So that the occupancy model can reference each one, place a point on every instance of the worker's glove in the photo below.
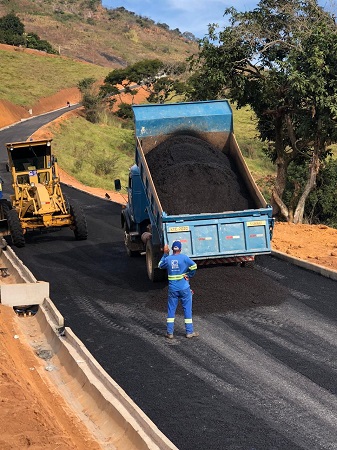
(186, 277)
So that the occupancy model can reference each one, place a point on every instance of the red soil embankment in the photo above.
(11, 113)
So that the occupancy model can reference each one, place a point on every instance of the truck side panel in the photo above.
(227, 236)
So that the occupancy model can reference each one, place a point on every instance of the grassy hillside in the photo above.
(94, 154)
(108, 37)
(25, 77)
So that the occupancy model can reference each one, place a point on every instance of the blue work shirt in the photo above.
(178, 266)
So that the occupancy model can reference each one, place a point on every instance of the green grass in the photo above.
(25, 78)
(94, 154)
(261, 168)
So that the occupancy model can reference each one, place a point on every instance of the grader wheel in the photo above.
(15, 228)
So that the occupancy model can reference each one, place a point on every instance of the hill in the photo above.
(35, 82)
(85, 30)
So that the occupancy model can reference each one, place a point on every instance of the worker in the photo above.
(1, 186)
(180, 269)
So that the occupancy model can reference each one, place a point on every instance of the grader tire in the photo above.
(15, 228)
(5, 206)
(80, 223)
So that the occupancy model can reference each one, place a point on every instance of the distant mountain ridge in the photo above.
(85, 30)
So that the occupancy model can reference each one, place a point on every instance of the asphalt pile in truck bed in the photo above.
(192, 177)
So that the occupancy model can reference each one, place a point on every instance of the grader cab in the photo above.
(38, 201)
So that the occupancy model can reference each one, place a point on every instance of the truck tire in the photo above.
(152, 260)
(80, 223)
(15, 228)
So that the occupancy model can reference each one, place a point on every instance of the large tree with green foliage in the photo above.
(281, 60)
(161, 81)
(12, 32)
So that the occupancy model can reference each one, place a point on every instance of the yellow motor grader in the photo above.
(38, 201)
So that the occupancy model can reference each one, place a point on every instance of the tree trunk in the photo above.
(279, 208)
(311, 183)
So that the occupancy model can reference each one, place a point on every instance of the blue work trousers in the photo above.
(186, 300)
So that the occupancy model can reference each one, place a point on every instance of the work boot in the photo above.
(191, 335)
(169, 336)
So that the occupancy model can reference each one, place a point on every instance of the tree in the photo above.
(91, 99)
(279, 59)
(11, 30)
(161, 81)
(34, 41)
(321, 204)
(12, 23)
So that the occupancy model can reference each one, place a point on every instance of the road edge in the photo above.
(328, 273)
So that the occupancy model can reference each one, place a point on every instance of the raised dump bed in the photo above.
(190, 183)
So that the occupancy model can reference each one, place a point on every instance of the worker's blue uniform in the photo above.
(178, 267)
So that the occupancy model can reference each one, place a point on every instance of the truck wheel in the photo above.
(152, 260)
(80, 223)
(15, 228)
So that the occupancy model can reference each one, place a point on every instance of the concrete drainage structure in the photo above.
(114, 420)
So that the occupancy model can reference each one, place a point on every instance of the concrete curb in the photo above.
(14, 263)
(120, 421)
(114, 419)
(328, 273)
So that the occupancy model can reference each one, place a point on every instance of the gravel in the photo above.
(192, 177)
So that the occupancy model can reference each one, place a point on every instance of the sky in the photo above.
(188, 15)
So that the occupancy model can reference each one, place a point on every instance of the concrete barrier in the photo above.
(15, 265)
(26, 294)
(328, 273)
(117, 419)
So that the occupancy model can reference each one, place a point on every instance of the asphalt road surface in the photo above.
(262, 374)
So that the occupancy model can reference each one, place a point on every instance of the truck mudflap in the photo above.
(231, 260)
(213, 237)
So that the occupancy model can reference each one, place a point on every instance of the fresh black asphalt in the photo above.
(260, 376)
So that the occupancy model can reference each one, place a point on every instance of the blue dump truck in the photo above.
(190, 183)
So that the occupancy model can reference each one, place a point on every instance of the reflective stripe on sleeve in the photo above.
(193, 267)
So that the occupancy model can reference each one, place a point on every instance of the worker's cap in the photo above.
(176, 245)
